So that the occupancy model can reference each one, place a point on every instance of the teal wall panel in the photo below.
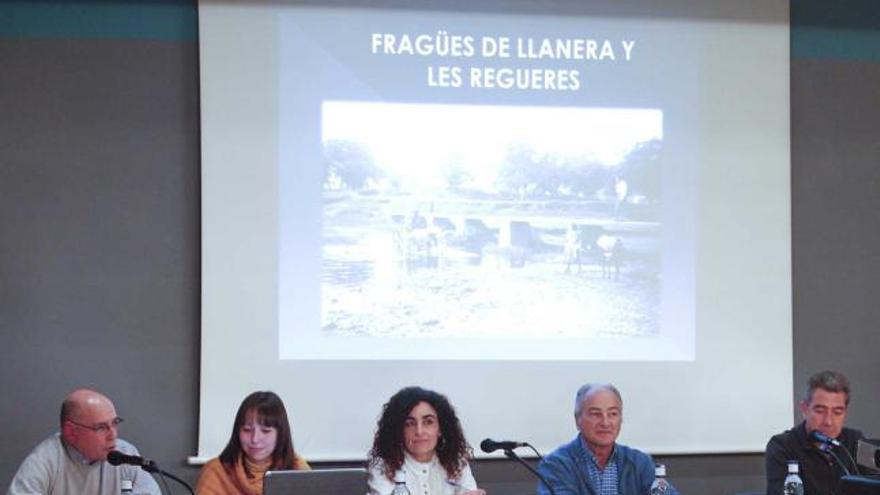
(169, 20)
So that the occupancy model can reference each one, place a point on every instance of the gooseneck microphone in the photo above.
(488, 445)
(827, 444)
(819, 437)
(117, 458)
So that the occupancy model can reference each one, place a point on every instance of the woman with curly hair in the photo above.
(260, 441)
(419, 437)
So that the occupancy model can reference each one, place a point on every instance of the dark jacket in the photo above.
(566, 470)
(819, 471)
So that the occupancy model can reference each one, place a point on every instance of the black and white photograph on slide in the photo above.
(484, 221)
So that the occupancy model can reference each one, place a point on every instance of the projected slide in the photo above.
(464, 191)
(497, 200)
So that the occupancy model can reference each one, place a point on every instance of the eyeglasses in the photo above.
(102, 427)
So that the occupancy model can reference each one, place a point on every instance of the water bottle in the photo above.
(793, 485)
(400, 484)
(127, 487)
(660, 486)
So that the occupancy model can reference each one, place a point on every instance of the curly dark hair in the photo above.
(388, 444)
(270, 412)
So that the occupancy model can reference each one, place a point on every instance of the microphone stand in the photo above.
(510, 455)
(535, 451)
(151, 467)
(852, 461)
(828, 450)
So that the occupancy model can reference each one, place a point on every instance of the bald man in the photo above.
(74, 460)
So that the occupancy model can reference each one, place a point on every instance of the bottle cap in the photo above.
(793, 467)
(660, 470)
(127, 485)
(400, 477)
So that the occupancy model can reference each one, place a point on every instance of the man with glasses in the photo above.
(75, 459)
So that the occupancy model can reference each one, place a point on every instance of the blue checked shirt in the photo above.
(604, 481)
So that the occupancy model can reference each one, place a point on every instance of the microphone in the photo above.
(818, 436)
(116, 458)
(488, 445)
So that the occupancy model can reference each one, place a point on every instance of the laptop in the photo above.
(859, 485)
(348, 481)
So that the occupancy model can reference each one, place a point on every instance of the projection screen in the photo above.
(499, 201)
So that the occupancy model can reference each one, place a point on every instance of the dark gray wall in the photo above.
(99, 238)
(836, 226)
(99, 224)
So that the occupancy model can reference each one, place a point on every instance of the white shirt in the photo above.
(423, 478)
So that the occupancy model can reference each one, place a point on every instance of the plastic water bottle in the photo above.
(793, 485)
(400, 484)
(660, 486)
(126, 487)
